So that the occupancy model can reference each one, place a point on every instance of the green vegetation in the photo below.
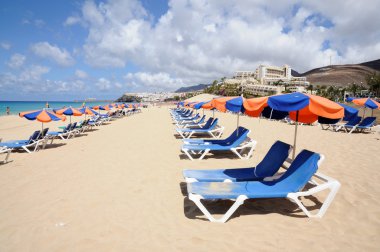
(129, 98)
(373, 81)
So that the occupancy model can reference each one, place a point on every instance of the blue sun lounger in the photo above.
(351, 123)
(366, 124)
(24, 144)
(290, 185)
(188, 119)
(188, 114)
(237, 142)
(192, 124)
(212, 129)
(65, 134)
(268, 167)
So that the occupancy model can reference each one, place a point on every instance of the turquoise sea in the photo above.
(20, 106)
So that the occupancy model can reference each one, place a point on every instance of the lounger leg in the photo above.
(188, 154)
(251, 150)
(333, 186)
(6, 157)
(204, 154)
(26, 149)
(352, 130)
(237, 153)
(197, 200)
(191, 133)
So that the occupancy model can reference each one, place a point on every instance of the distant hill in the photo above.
(375, 64)
(340, 75)
(191, 88)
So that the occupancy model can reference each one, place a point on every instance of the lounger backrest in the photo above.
(300, 171)
(202, 119)
(354, 121)
(368, 122)
(44, 132)
(237, 137)
(213, 124)
(34, 136)
(73, 126)
(68, 127)
(196, 116)
(208, 123)
(273, 160)
(324, 120)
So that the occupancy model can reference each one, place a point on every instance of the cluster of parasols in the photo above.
(48, 115)
(299, 107)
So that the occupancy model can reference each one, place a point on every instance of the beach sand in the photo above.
(120, 188)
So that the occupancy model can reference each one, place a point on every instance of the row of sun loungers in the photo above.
(355, 124)
(188, 125)
(276, 176)
(39, 139)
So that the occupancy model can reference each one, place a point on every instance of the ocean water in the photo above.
(21, 106)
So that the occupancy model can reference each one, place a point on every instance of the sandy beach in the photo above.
(120, 188)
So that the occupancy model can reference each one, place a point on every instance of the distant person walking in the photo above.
(8, 111)
(47, 105)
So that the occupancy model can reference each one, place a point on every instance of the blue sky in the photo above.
(66, 50)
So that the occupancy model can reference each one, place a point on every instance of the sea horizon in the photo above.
(20, 106)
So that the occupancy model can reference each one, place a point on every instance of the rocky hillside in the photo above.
(191, 88)
(341, 75)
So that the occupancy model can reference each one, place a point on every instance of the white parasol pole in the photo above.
(237, 125)
(295, 136)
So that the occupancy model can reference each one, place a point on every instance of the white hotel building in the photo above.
(268, 80)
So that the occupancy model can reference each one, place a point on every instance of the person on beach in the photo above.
(47, 105)
(8, 111)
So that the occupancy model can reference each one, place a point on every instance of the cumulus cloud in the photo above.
(33, 73)
(156, 80)
(60, 56)
(81, 74)
(72, 20)
(16, 61)
(103, 84)
(5, 45)
(198, 41)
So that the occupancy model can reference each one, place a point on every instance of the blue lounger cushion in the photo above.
(238, 132)
(268, 167)
(295, 178)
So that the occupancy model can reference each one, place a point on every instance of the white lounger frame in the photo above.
(329, 183)
(248, 144)
(215, 133)
(5, 150)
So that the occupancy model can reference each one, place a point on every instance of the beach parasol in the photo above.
(366, 103)
(221, 105)
(87, 111)
(199, 106)
(43, 116)
(68, 111)
(302, 108)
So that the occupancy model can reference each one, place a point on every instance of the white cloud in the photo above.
(60, 56)
(33, 73)
(72, 20)
(198, 41)
(16, 60)
(5, 45)
(103, 84)
(118, 85)
(159, 81)
(81, 74)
